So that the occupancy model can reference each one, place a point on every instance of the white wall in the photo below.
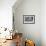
(43, 22)
(6, 13)
(37, 31)
(31, 31)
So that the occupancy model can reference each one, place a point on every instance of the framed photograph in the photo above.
(28, 19)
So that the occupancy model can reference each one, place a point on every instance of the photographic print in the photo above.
(28, 19)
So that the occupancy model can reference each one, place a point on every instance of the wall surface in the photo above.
(43, 22)
(36, 31)
(30, 31)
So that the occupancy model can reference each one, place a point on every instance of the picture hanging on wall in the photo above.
(28, 19)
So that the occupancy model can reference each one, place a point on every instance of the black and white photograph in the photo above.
(28, 19)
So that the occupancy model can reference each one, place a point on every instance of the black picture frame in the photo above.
(28, 19)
